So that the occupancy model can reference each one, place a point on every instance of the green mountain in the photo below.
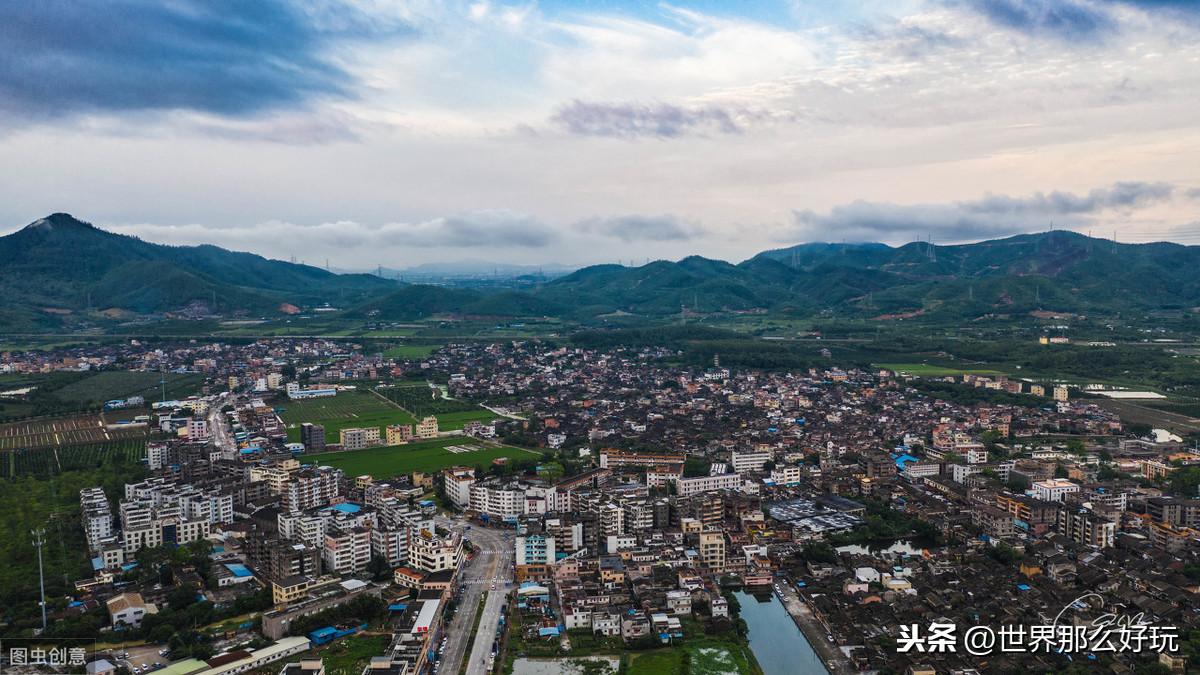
(59, 270)
(1052, 271)
(59, 266)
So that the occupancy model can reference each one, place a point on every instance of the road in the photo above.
(492, 564)
(835, 660)
(219, 428)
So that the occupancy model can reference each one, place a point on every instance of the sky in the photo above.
(401, 132)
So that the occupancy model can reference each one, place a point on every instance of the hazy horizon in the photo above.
(395, 133)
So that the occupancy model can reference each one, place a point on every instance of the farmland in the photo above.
(426, 456)
(52, 461)
(110, 384)
(354, 408)
(422, 400)
(410, 351)
(928, 370)
(46, 432)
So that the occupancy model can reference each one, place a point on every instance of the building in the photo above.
(430, 552)
(534, 549)
(1053, 489)
(126, 609)
(1087, 527)
(712, 549)
(97, 517)
(311, 488)
(312, 436)
(358, 438)
(347, 551)
(427, 427)
(749, 461)
(197, 430)
(399, 434)
(457, 482)
(1060, 392)
(689, 486)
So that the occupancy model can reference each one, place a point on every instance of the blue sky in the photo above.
(397, 132)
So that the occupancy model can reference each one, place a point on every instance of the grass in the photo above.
(658, 662)
(426, 456)
(410, 351)
(927, 370)
(356, 408)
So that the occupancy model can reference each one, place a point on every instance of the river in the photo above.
(777, 643)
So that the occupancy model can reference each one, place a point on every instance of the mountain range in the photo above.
(58, 269)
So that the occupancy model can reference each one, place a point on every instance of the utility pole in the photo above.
(39, 540)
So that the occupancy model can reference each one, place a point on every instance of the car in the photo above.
(137, 671)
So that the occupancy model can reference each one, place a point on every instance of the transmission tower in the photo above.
(39, 540)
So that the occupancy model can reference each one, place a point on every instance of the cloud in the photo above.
(990, 216)
(221, 57)
(349, 241)
(1069, 19)
(632, 120)
(641, 228)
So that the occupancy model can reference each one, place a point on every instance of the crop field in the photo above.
(410, 351)
(48, 432)
(356, 408)
(50, 461)
(425, 456)
(456, 420)
(111, 384)
(927, 370)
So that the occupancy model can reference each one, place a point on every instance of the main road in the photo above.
(491, 566)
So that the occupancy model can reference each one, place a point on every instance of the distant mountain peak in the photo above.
(58, 221)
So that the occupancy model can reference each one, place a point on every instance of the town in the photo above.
(315, 506)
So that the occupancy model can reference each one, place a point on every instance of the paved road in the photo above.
(833, 657)
(491, 562)
(219, 428)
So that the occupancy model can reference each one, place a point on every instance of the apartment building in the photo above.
(457, 482)
(534, 549)
(97, 517)
(749, 460)
(359, 438)
(398, 434)
(310, 488)
(347, 551)
(690, 486)
(712, 549)
(427, 427)
(430, 552)
(1054, 489)
(312, 436)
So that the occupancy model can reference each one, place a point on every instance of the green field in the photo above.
(410, 351)
(927, 370)
(456, 420)
(424, 456)
(112, 384)
(357, 408)
(51, 461)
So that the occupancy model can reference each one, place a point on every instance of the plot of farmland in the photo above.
(46, 432)
(427, 456)
(354, 408)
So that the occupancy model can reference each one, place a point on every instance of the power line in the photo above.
(39, 540)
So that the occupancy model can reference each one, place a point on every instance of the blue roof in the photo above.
(97, 563)
(346, 507)
(397, 607)
(904, 459)
(238, 569)
(1023, 587)
(320, 632)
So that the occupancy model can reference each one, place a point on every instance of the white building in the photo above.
(1054, 489)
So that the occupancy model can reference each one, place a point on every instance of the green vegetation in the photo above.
(422, 456)
(349, 656)
(422, 400)
(50, 461)
(928, 370)
(408, 351)
(63, 392)
(52, 503)
(354, 408)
